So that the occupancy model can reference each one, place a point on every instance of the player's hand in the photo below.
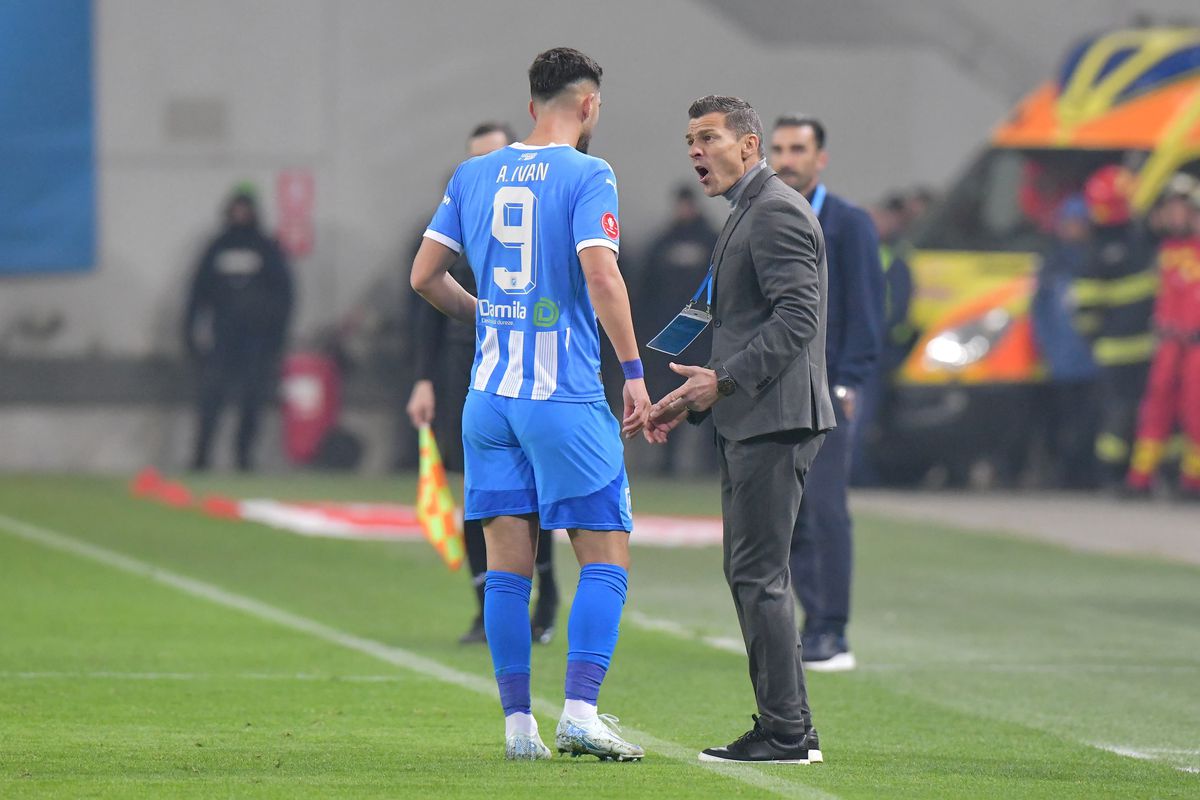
(421, 403)
(656, 432)
(637, 407)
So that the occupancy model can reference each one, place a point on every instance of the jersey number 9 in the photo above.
(513, 226)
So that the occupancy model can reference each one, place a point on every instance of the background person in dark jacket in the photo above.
(678, 256)
(1069, 400)
(235, 326)
(822, 548)
(445, 350)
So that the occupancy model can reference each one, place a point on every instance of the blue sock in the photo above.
(506, 622)
(592, 628)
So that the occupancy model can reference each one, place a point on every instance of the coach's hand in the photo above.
(698, 392)
(637, 407)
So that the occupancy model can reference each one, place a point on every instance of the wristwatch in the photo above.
(725, 384)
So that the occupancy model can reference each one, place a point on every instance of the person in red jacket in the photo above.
(1173, 392)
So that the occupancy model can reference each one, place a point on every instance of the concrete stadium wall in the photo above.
(375, 96)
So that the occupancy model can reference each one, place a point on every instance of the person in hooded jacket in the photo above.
(1070, 394)
(235, 327)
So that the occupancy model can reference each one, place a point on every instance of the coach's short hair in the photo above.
(803, 121)
(740, 116)
(558, 68)
(484, 128)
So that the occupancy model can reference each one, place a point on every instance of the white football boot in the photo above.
(595, 737)
(526, 747)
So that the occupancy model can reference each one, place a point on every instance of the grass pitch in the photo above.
(257, 663)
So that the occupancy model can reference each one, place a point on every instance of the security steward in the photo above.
(235, 326)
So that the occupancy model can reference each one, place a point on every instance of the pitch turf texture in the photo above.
(257, 663)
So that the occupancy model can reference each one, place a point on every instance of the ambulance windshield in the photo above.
(1006, 200)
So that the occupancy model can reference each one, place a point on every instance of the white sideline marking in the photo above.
(1162, 755)
(648, 623)
(1152, 754)
(731, 645)
(1066, 669)
(750, 775)
(200, 676)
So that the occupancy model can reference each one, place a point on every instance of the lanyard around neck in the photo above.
(818, 199)
(706, 285)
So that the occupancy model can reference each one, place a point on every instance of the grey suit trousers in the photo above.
(762, 482)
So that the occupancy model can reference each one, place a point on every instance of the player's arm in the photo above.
(610, 298)
(432, 280)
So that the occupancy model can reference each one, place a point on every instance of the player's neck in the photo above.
(550, 129)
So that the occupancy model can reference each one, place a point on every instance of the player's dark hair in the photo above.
(484, 128)
(803, 121)
(740, 116)
(558, 68)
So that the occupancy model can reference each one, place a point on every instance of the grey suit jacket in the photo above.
(769, 315)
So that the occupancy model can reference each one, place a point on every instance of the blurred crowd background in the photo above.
(151, 145)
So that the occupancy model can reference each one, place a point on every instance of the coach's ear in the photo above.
(750, 146)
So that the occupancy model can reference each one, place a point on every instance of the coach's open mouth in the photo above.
(702, 172)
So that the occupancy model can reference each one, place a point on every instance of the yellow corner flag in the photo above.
(435, 505)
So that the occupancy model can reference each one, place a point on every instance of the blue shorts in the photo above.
(562, 461)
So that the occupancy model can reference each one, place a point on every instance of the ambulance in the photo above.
(964, 396)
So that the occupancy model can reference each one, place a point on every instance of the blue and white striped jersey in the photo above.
(522, 214)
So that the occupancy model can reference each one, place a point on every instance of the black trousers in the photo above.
(822, 553)
(1068, 420)
(762, 482)
(245, 373)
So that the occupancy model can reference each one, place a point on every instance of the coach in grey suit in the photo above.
(765, 387)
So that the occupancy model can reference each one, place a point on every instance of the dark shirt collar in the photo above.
(735, 192)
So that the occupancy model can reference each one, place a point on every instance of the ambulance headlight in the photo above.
(965, 344)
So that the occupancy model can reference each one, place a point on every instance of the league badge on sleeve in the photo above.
(611, 229)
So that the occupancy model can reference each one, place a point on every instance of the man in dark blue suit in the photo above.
(822, 551)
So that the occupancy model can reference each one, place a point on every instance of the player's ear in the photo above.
(588, 108)
(532, 111)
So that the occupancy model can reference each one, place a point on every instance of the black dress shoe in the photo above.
(476, 635)
(761, 746)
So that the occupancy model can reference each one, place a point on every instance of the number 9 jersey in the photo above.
(521, 215)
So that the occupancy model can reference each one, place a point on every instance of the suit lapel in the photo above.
(743, 206)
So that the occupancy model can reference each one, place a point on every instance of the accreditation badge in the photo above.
(688, 324)
(681, 331)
